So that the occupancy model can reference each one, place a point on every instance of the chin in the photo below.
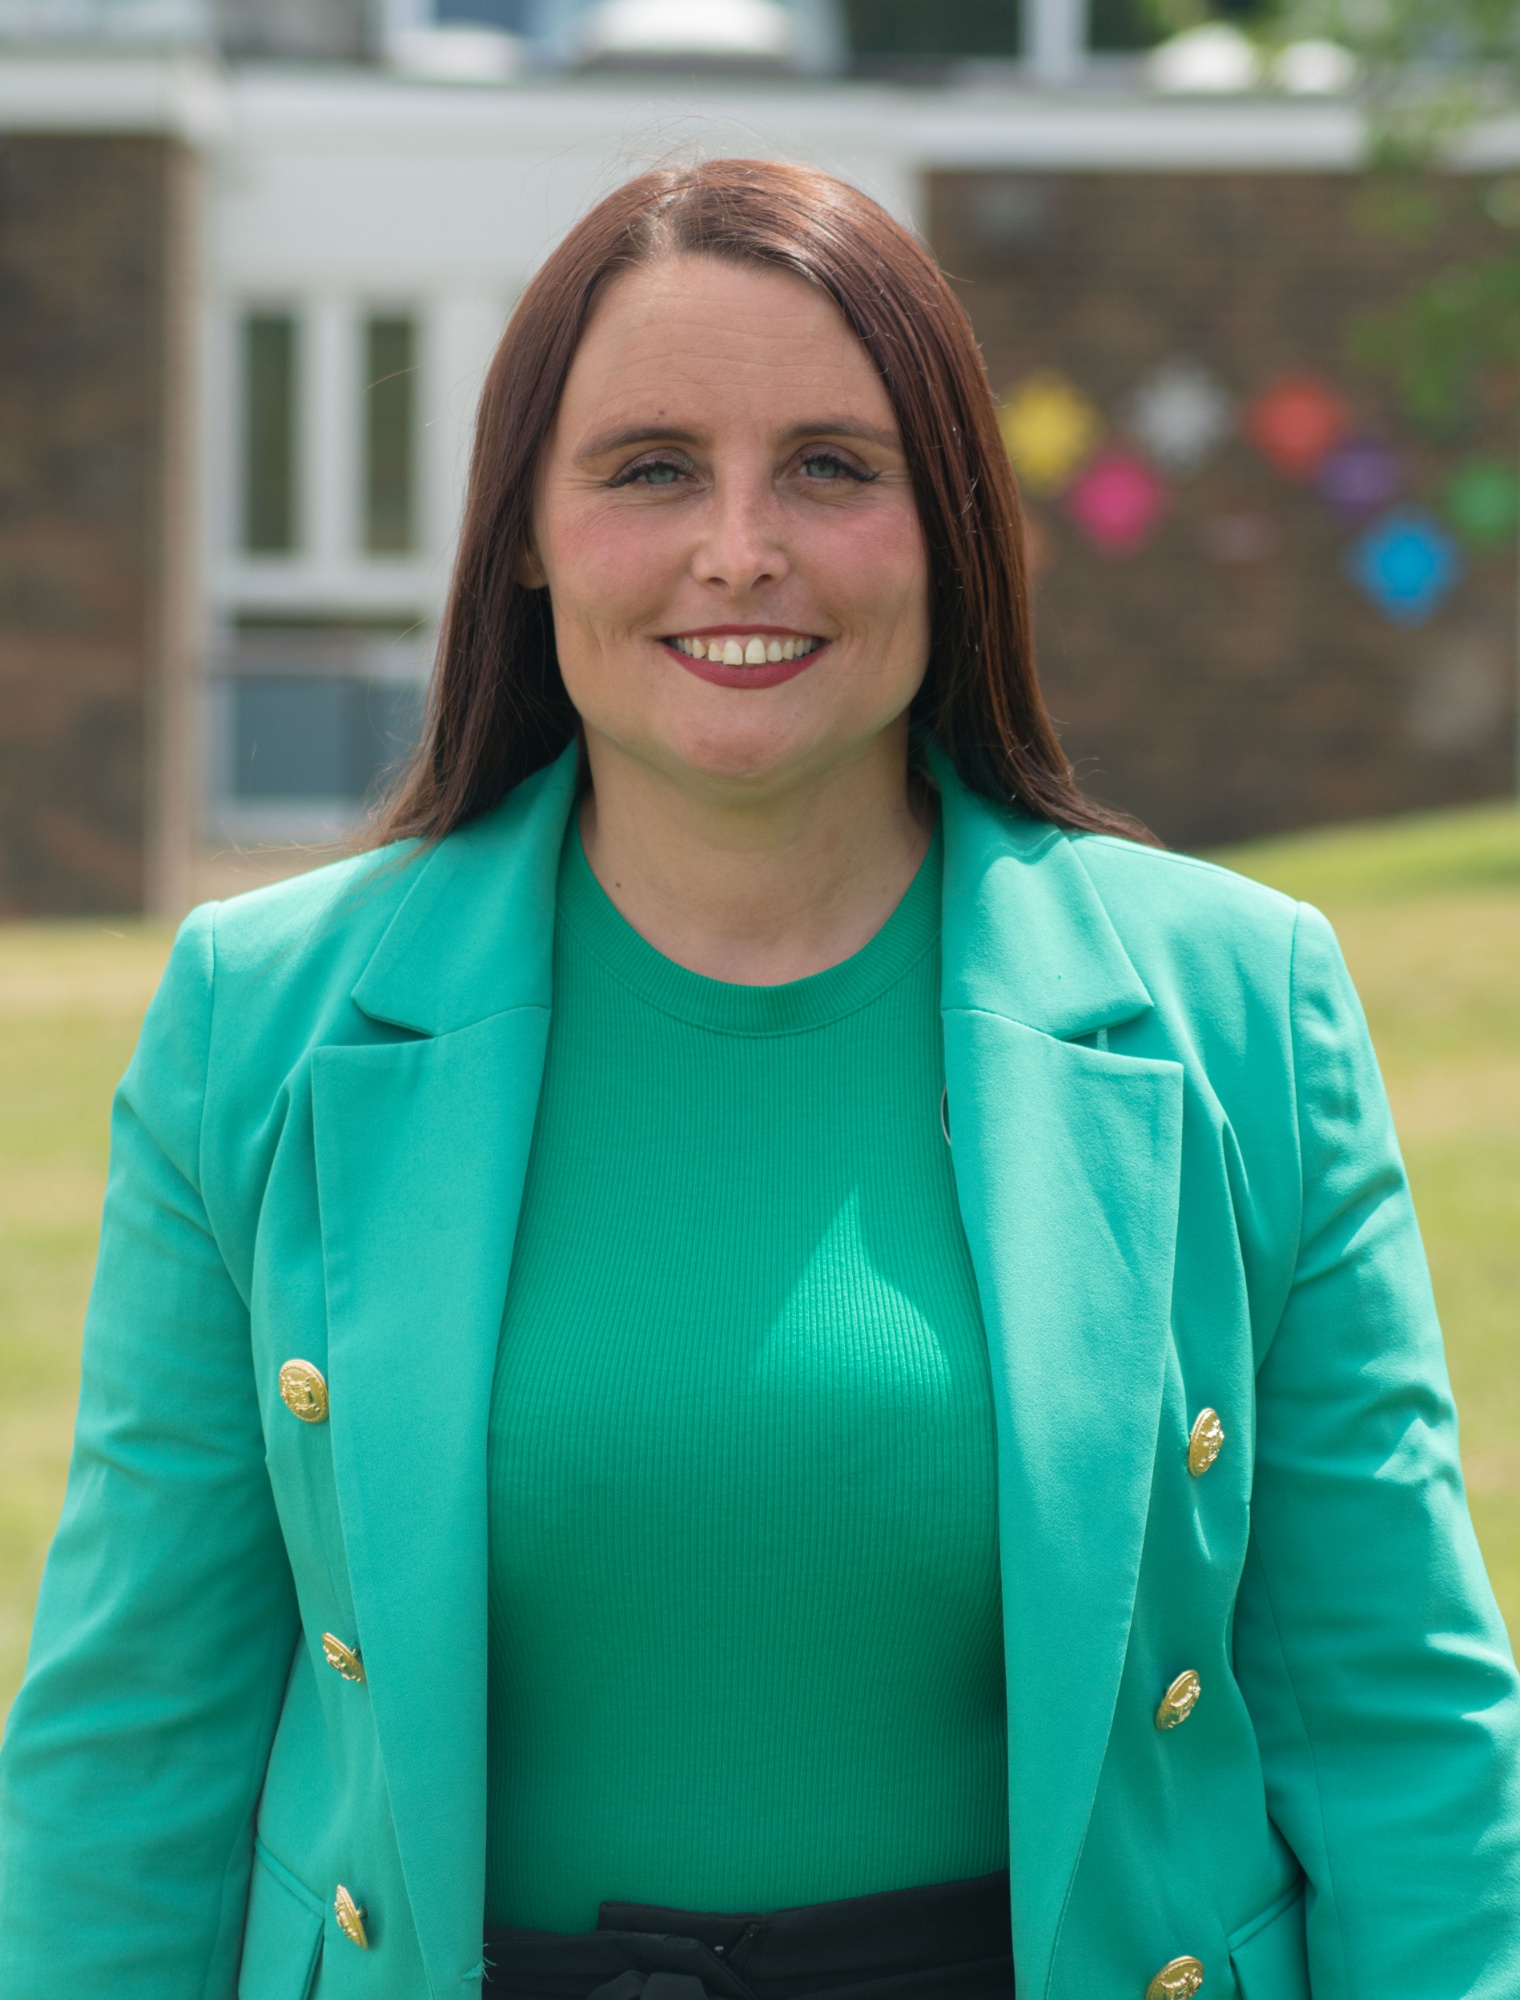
(745, 763)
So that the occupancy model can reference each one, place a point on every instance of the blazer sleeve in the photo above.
(135, 1751)
(1368, 1643)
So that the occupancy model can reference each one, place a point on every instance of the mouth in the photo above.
(746, 656)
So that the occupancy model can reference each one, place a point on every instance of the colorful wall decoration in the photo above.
(1404, 559)
(1482, 502)
(1407, 564)
(1359, 476)
(1050, 430)
(1296, 424)
(1181, 414)
(1117, 502)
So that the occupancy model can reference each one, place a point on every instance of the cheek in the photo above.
(877, 562)
(605, 569)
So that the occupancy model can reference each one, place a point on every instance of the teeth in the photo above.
(744, 653)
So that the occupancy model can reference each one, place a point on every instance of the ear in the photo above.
(528, 570)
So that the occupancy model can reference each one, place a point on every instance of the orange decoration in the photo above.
(1296, 424)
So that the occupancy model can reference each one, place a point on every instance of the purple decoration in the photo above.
(1359, 477)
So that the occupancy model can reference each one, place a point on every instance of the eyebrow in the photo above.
(636, 434)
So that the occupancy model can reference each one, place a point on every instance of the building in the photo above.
(251, 274)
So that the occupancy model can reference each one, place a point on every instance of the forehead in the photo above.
(701, 336)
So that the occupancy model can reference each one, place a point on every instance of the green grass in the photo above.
(1428, 910)
(71, 997)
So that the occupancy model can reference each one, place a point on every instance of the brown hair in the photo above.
(498, 709)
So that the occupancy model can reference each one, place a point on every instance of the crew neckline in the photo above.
(589, 914)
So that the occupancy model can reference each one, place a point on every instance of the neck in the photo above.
(756, 889)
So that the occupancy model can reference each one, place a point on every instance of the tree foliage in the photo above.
(1428, 71)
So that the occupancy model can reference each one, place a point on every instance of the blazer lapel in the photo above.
(421, 1149)
(1067, 1163)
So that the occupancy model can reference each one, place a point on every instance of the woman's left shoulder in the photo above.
(1243, 981)
(1205, 921)
(1172, 887)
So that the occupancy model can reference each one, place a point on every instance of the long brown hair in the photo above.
(498, 709)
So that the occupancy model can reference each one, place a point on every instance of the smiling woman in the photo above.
(765, 1358)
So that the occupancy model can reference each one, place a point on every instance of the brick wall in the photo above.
(91, 366)
(1228, 678)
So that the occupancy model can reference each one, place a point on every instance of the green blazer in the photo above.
(1181, 1192)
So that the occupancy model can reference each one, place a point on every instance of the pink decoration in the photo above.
(1296, 424)
(1117, 502)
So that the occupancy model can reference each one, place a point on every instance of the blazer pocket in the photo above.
(282, 1936)
(1270, 1955)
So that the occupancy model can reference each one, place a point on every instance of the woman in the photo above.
(766, 1315)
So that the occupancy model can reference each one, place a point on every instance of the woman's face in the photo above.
(727, 529)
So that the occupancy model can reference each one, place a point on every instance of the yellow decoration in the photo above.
(1050, 430)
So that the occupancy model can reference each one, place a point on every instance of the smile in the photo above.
(738, 649)
(746, 659)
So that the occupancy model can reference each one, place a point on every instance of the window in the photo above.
(319, 736)
(510, 16)
(309, 721)
(270, 416)
(390, 424)
(898, 30)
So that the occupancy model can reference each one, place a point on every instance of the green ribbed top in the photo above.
(745, 1629)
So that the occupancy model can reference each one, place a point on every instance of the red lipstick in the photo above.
(764, 674)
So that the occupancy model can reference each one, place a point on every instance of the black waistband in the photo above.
(949, 1941)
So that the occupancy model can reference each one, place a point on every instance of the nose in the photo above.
(741, 548)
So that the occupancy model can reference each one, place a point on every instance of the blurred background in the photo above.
(1247, 279)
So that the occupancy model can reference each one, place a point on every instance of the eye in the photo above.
(651, 472)
(824, 465)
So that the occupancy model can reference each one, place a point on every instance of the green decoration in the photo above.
(1482, 502)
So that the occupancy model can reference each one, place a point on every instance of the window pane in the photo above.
(1117, 25)
(390, 445)
(269, 433)
(512, 16)
(907, 28)
(330, 737)
(291, 737)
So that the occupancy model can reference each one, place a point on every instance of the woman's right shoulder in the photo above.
(273, 970)
(311, 925)
(307, 929)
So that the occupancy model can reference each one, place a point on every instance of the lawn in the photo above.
(1428, 911)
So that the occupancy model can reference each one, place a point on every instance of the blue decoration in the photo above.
(1407, 564)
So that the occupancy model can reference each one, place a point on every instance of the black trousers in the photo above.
(947, 1942)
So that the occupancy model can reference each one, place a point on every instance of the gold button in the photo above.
(1205, 1442)
(1179, 1701)
(304, 1391)
(342, 1659)
(351, 1921)
(1178, 1980)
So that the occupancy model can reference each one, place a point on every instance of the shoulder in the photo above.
(1178, 887)
(312, 923)
(263, 975)
(1231, 966)
(1174, 908)
(1218, 928)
